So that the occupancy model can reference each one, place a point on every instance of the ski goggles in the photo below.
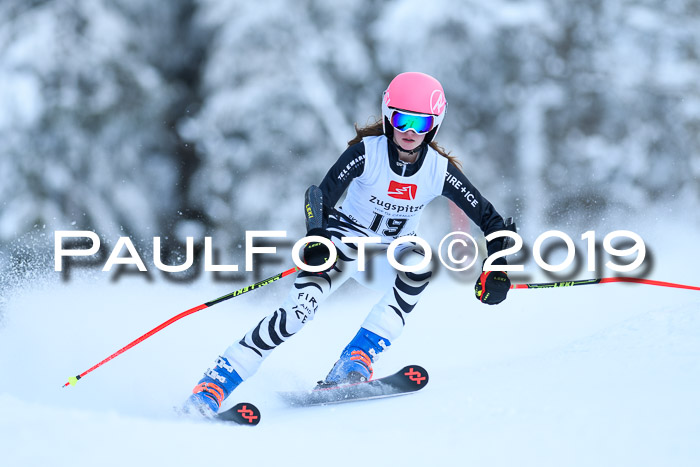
(419, 123)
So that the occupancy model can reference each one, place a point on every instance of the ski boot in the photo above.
(211, 390)
(355, 363)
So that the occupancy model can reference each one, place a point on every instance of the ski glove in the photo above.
(316, 253)
(492, 287)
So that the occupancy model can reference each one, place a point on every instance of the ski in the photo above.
(409, 379)
(243, 413)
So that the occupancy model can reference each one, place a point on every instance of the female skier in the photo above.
(391, 170)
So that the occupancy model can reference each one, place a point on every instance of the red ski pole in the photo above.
(602, 280)
(74, 379)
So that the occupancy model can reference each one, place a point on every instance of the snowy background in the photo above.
(202, 117)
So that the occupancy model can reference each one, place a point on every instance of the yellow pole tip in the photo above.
(72, 380)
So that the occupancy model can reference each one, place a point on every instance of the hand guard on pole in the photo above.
(492, 286)
(315, 253)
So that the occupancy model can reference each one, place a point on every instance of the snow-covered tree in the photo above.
(125, 116)
(85, 140)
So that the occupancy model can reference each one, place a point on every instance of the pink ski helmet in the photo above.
(416, 93)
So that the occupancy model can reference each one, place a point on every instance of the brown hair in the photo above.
(377, 129)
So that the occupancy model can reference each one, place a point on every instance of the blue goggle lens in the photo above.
(418, 123)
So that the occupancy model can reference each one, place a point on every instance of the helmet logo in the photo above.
(437, 102)
(386, 97)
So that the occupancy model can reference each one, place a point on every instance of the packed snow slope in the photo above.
(603, 375)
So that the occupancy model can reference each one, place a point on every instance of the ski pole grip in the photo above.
(509, 225)
(313, 206)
